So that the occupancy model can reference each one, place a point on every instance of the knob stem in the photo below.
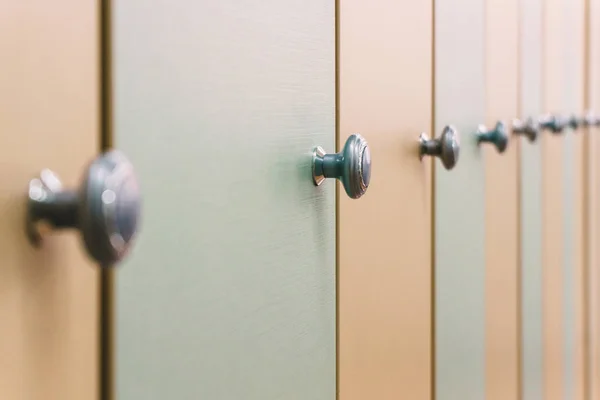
(59, 209)
(430, 147)
(528, 128)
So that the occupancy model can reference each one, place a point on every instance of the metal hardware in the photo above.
(497, 136)
(590, 120)
(530, 128)
(552, 123)
(105, 208)
(446, 147)
(352, 166)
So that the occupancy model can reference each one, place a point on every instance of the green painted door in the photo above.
(230, 291)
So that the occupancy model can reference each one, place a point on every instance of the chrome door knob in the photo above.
(573, 122)
(105, 208)
(352, 166)
(590, 120)
(446, 147)
(497, 136)
(552, 123)
(530, 128)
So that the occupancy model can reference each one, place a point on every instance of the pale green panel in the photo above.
(230, 292)
(573, 104)
(460, 203)
(531, 204)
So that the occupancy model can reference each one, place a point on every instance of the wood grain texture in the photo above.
(385, 237)
(531, 218)
(460, 342)
(501, 200)
(574, 239)
(592, 102)
(230, 293)
(553, 187)
(48, 119)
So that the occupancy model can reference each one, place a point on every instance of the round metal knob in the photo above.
(105, 208)
(529, 128)
(446, 147)
(352, 166)
(573, 122)
(552, 123)
(590, 120)
(497, 136)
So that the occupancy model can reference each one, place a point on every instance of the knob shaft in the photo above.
(105, 208)
(352, 166)
(529, 128)
(446, 147)
(497, 136)
(552, 123)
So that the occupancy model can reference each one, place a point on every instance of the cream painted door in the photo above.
(49, 118)
(502, 327)
(592, 102)
(230, 292)
(531, 209)
(385, 237)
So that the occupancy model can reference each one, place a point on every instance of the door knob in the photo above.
(496, 136)
(573, 122)
(352, 166)
(590, 120)
(446, 147)
(552, 123)
(529, 128)
(105, 208)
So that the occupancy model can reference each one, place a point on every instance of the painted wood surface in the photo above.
(553, 203)
(460, 273)
(48, 119)
(574, 195)
(531, 215)
(502, 329)
(385, 237)
(230, 292)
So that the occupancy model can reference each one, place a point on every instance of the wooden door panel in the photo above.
(574, 186)
(48, 119)
(230, 292)
(459, 98)
(553, 163)
(501, 201)
(385, 238)
(531, 219)
(592, 218)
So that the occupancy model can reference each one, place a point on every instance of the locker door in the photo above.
(592, 93)
(501, 203)
(48, 119)
(230, 292)
(574, 212)
(531, 209)
(460, 208)
(557, 198)
(385, 237)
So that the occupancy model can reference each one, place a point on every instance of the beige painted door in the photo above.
(385, 237)
(563, 202)
(501, 204)
(592, 102)
(48, 119)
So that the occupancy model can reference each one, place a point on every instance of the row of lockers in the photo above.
(469, 275)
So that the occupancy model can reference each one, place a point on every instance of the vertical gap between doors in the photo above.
(106, 289)
(432, 207)
(337, 202)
